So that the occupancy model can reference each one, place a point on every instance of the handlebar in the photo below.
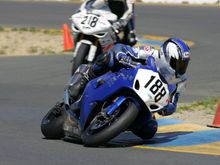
(150, 63)
(131, 64)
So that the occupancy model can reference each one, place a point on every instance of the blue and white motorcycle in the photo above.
(112, 103)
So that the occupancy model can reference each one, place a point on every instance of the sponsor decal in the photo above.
(147, 49)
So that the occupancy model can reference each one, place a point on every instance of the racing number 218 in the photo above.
(156, 88)
(90, 20)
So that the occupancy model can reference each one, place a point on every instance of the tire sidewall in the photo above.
(80, 56)
(52, 128)
(123, 122)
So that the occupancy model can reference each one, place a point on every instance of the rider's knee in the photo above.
(76, 88)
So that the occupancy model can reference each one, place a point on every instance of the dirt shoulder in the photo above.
(199, 117)
(23, 42)
(33, 42)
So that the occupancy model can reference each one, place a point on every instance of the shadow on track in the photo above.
(128, 139)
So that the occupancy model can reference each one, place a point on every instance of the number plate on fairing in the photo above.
(151, 89)
(90, 23)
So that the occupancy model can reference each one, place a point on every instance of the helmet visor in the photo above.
(179, 65)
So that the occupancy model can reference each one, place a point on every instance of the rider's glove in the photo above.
(123, 58)
(118, 25)
(169, 110)
(171, 107)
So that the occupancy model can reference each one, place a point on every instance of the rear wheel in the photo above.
(79, 59)
(102, 128)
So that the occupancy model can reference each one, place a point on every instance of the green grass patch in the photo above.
(2, 52)
(47, 51)
(24, 29)
(32, 30)
(52, 32)
(209, 105)
(33, 49)
(13, 29)
(2, 29)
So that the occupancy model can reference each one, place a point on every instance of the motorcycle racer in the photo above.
(124, 9)
(171, 61)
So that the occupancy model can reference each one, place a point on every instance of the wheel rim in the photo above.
(102, 121)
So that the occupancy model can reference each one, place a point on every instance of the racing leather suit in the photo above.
(124, 9)
(110, 61)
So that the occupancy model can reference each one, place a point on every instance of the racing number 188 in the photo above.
(156, 88)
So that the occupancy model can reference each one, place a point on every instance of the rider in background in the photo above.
(124, 9)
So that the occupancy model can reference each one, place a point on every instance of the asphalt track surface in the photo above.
(198, 24)
(29, 86)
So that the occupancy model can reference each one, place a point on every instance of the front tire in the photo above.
(80, 56)
(52, 123)
(109, 130)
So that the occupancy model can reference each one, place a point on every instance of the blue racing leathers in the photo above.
(110, 61)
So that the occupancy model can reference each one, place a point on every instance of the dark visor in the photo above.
(179, 66)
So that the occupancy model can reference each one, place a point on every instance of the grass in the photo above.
(33, 49)
(32, 30)
(43, 51)
(52, 32)
(1, 29)
(2, 52)
(209, 105)
(47, 51)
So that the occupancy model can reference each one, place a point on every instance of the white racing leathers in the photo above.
(103, 5)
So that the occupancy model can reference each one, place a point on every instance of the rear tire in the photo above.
(120, 124)
(79, 59)
(52, 125)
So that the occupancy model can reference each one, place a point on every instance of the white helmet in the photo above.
(176, 54)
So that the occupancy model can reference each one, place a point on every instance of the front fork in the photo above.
(112, 108)
(92, 50)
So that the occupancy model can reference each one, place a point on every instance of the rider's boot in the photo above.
(76, 87)
(71, 126)
(132, 38)
(145, 126)
(78, 82)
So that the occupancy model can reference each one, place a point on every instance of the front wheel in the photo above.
(102, 129)
(80, 56)
(52, 123)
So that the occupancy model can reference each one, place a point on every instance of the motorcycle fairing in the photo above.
(101, 88)
(150, 88)
(81, 22)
